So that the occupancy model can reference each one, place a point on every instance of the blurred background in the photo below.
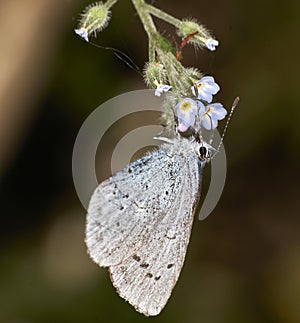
(243, 261)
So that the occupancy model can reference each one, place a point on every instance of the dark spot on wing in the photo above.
(118, 224)
(136, 257)
(129, 170)
(167, 192)
(149, 275)
(144, 265)
(121, 208)
(170, 237)
(157, 277)
(170, 266)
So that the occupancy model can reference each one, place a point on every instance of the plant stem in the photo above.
(110, 3)
(148, 24)
(146, 19)
(163, 15)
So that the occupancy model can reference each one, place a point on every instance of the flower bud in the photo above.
(202, 36)
(155, 74)
(187, 28)
(94, 19)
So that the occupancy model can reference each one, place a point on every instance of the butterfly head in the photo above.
(204, 151)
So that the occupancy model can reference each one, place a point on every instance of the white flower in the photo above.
(186, 111)
(161, 88)
(213, 113)
(211, 44)
(205, 88)
(82, 32)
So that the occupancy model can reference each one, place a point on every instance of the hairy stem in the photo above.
(110, 3)
(163, 15)
(148, 24)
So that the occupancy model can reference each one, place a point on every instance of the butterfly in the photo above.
(139, 221)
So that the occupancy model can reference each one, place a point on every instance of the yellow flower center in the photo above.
(200, 86)
(185, 105)
(208, 110)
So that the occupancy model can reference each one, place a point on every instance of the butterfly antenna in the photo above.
(126, 59)
(234, 104)
(120, 55)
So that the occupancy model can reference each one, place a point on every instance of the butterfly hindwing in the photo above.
(146, 279)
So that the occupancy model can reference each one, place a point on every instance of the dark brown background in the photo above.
(243, 262)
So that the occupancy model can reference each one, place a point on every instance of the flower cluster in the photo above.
(190, 93)
(197, 112)
(200, 112)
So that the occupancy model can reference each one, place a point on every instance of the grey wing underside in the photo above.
(147, 278)
(139, 226)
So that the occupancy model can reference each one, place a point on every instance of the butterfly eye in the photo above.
(203, 152)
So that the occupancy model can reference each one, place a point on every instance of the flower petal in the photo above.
(182, 128)
(186, 105)
(214, 123)
(187, 119)
(211, 44)
(213, 88)
(202, 108)
(217, 111)
(186, 111)
(206, 121)
(162, 88)
(206, 87)
(207, 79)
(82, 32)
(206, 96)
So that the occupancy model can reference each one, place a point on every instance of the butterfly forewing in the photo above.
(139, 224)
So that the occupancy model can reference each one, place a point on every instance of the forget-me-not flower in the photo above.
(186, 111)
(161, 88)
(213, 113)
(82, 32)
(211, 44)
(205, 88)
